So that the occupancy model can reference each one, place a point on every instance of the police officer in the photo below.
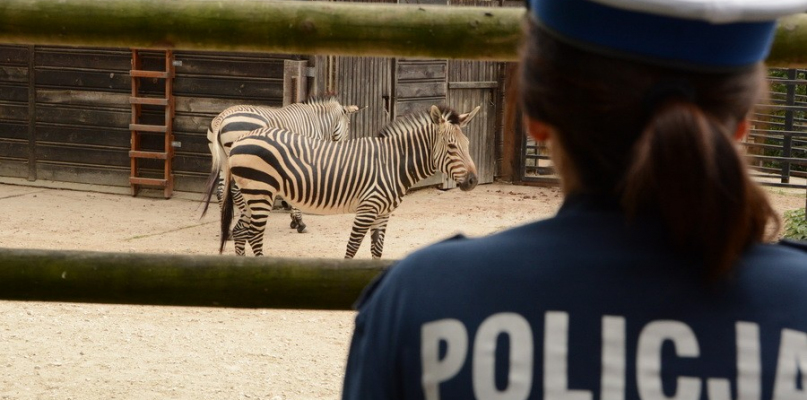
(654, 280)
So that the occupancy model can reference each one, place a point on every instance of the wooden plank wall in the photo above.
(419, 84)
(366, 82)
(206, 84)
(14, 114)
(472, 84)
(64, 111)
(81, 113)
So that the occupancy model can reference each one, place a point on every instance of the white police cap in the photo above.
(692, 34)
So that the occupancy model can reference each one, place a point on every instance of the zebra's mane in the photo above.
(321, 99)
(404, 123)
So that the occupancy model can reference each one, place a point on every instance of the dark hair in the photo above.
(674, 155)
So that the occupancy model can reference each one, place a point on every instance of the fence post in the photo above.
(180, 280)
(787, 144)
(295, 81)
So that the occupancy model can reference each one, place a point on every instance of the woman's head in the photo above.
(656, 133)
(600, 105)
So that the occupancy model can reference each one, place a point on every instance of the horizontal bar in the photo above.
(160, 155)
(139, 73)
(290, 27)
(782, 107)
(473, 85)
(779, 132)
(148, 128)
(136, 180)
(786, 81)
(789, 160)
(177, 280)
(154, 101)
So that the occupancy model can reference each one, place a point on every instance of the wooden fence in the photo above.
(276, 27)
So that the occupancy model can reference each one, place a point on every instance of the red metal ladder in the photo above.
(137, 100)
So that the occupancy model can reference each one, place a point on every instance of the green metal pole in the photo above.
(212, 281)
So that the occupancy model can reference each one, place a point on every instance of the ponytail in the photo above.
(686, 166)
(658, 139)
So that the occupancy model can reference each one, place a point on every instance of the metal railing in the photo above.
(777, 144)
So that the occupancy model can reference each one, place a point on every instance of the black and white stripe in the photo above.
(366, 176)
(320, 118)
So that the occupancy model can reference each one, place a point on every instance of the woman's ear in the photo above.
(537, 129)
(743, 128)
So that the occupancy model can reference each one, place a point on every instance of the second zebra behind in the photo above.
(366, 176)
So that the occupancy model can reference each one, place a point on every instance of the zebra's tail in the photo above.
(227, 206)
(218, 157)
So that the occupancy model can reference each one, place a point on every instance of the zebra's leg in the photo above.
(365, 217)
(240, 203)
(240, 235)
(240, 232)
(286, 206)
(259, 209)
(377, 232)
(297, 220)
(256, 231)
(296, 217)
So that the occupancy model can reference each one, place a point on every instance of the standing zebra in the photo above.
(366, 176)
(318, 117)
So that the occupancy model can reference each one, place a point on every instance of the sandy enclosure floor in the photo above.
(86, 351)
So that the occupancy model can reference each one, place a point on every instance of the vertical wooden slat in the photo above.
(364, 81)
(31, 113)
(169, 125)
(135, 140)
(787, 144)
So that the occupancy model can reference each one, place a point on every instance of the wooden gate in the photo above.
(365, 82)
(472, 84)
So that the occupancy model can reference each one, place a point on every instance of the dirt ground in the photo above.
(86, 351)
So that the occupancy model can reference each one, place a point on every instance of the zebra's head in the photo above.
(341, 125)
(331, 118)
(451, 154)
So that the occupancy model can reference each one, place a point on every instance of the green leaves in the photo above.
(795, 224)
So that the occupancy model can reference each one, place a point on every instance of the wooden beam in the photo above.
(176, 280)
(300, 27)
(292, 27)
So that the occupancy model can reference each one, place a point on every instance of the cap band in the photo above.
(681, 42)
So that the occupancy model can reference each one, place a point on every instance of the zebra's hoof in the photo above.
(293, 224)
(301, 228)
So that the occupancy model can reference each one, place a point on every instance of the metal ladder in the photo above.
(137, 100)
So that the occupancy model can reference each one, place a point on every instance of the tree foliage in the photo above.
(795, 224)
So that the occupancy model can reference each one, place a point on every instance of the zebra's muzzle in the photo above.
(469, 183)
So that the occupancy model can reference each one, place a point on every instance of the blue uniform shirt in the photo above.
(581, 306)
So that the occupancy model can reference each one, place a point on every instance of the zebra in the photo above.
(318, 117)
(365, 176)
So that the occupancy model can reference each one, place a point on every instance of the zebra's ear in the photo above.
(436, 115)
(466, 118)
(351, 109)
